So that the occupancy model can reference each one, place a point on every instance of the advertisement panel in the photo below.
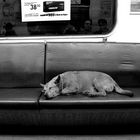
(45, 10)
(135, 7)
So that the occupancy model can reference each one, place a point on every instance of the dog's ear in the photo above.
(57, 81)
(42, 85)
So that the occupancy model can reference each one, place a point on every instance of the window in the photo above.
(86, 17)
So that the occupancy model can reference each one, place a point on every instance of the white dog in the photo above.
(82, 82)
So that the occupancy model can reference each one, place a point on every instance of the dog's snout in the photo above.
(47, 96)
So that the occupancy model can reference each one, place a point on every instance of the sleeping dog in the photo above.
(90, 83)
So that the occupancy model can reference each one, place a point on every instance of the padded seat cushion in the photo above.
(81, 101)
(113, 110)
(19, 98)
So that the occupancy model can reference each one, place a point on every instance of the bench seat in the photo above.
(19, 97)
(112, 99)
(19, 108)
(77, 110)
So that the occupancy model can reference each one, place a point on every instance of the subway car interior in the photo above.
(40, 40)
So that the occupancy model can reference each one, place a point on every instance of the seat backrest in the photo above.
(21, 64)
(120, 60)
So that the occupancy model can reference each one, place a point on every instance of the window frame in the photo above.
(66, 37)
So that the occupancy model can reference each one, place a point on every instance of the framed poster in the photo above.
(45, 10)
(135, 7)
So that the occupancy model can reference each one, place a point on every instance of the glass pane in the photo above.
(87, 17)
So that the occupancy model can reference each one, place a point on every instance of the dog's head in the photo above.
(51, 89)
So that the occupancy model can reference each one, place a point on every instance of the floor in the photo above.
(69, 137)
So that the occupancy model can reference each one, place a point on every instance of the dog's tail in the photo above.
(122, 91)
